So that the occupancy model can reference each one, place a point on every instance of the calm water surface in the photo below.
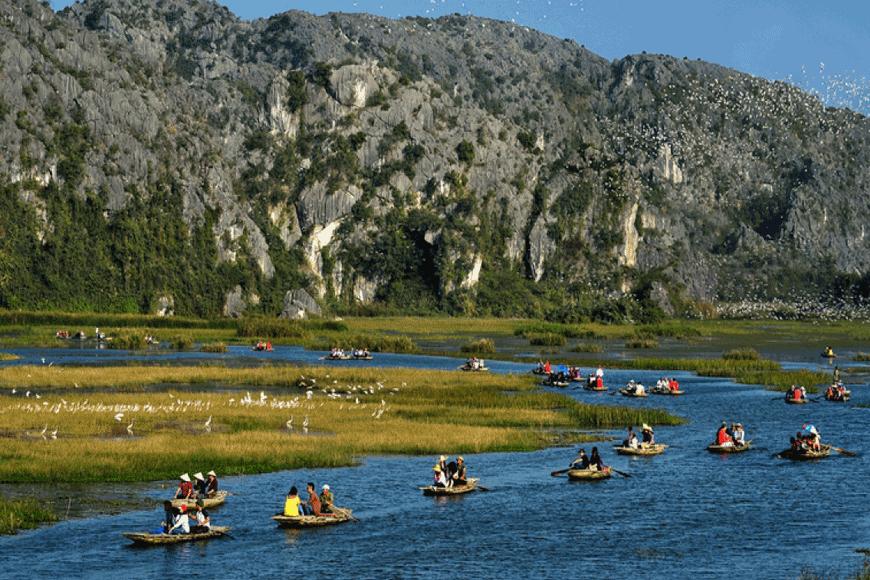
(684, 514)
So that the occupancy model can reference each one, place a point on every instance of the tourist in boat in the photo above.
(631, 440)
(812, 437)
(168, 517)
(547, 368)
(326, 500)
(581, 462)
(292, 503)
(312, 506)
(199, 484)
(723, 438)
(458, 477)
(595, 461)
(639, 389)
(185, 488)
(673, 384)
(211, 487)
(203, 520)
(440, 478)
(444, 464)
(648, 435)
(738, 435)
(182, 523)
(599, 373)
(631, 387)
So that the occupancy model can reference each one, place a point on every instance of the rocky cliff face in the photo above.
(458, 163)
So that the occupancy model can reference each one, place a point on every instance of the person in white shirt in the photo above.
(182, 523)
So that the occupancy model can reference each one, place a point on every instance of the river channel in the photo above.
(683, 514)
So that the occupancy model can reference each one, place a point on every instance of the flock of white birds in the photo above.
(177, 407)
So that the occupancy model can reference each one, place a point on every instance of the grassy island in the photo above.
(152, 423)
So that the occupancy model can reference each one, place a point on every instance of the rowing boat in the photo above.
(472, 369)
(803, 454)
(627, 393)
(601, 388)
(589, 474)
(728, 448)
(793, 401)
(207, 502)
(454, 490)
(150, 538)
(840, 399)
(339, 516)
(642, 449)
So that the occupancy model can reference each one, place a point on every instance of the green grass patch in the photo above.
(588, 347)
(23, 514)
(482, 346)
(547, 339)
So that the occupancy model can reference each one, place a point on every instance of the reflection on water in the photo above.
(683, 514)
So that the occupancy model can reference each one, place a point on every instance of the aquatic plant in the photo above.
(482, 346)
(23, 514)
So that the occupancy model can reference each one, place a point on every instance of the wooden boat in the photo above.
(455, 490)
(261, 348)
(149, 538)
(626, 393)
(642, 449)
(589, 474)
(473, 369)
(207, 502)
(361, 357)
(550, 382)
(658, 391)
(842, 399)
(792, 401)
(339, 357)
(340, 516)
(588, 387)
(728, 448)
(804, 455)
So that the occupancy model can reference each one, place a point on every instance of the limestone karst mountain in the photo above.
(164, 155)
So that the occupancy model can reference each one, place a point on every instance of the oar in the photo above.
(225, 534)
(844, 452)
(483, 488)
(620, 472)
(558, 472)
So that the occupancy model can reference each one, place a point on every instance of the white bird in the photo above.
(289, 423)
(27, 394)
(118, 417)
(208, 424)
(130, 427)
(54, 433)
(44, 430)
(13, 391)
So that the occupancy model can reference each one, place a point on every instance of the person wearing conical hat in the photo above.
(199, 484)
(182, 523)
(211, 487)
(648, 436)
(440, 478)
(185, 488)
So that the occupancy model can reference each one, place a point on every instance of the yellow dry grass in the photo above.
(315, 417)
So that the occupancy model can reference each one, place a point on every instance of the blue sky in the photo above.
(821, 44)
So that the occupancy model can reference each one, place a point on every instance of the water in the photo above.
(683, 514)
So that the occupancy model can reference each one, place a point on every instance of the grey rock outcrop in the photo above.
(420, 156)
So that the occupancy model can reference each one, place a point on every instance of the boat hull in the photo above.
(642, 450)
(824, 451)
(455, 490)
(153, 539)
(589, 474)
(728, 448)
(207, 502)
(341, 515)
